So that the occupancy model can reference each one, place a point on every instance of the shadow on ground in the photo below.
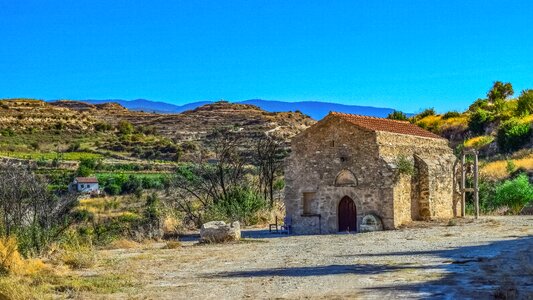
(502, 269)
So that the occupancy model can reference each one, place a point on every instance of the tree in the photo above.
(425, 113)
(397, 115)
(500, 90)
(29, 210)
(198, 186)
(269, 161)
(525, 103)
(478, 121)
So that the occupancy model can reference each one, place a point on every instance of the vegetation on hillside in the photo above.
(501, 129)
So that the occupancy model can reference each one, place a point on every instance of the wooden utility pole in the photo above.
(476, 183)
(463, 185)
(475, 189)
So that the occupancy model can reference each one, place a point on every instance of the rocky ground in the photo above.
(464, 259)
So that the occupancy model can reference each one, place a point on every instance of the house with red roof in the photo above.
(86, 185)
(352, 173)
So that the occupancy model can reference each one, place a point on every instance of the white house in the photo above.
(86, 185)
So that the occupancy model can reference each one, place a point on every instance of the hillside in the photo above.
(500, 127)
(69, 125)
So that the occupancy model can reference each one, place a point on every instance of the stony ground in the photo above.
(488, 258)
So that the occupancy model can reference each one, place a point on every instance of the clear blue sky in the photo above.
(402, 54)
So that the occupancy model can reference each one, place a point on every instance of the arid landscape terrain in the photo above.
(471, 259)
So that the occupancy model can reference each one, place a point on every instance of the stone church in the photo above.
(356, 173)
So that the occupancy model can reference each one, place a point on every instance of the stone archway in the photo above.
(345, 178)
(347, 215)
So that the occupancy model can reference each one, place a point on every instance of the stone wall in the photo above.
(402, 200)
(432, 183)
(334, 159)
(331, 149)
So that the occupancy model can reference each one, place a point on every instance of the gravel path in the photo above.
(487, 258)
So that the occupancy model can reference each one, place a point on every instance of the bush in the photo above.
(525, 103)
(513, 134)
(125, 127)
(102, 126)
(515, 193)
(77, 252)
(113, 189)
(11, 261)
(426, 112)
(478, 121)
(404, 165)
(397, 115)
(479, 104)
(451, 114)
(241, 204)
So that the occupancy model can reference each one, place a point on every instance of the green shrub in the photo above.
(479, 104)
(241, 204)
(451, 114)
(84, 171)
(525, 103)
(7, 132)
(425, 113)
(511, 166)
(515, 193)
(478, 121)
(397, 115)
(102, 126)
(113, 189)
(125, 127)
(513, 134)
(404, 165)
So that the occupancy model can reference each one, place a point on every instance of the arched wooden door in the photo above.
(347, 215)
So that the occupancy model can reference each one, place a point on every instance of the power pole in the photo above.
(475, 189)
(476, 183)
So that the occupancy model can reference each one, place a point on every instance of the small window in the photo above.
(81, 185)
(308, 202)
(332, 143)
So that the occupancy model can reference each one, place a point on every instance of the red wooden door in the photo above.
(347, 215)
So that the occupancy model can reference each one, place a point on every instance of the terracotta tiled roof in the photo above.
(86, 180)
(380, 124)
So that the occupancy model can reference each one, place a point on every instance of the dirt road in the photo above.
(487, 258)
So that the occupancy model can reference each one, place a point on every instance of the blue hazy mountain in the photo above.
(315, 109)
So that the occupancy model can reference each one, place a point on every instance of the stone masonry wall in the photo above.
(432, 188)
(318, 155)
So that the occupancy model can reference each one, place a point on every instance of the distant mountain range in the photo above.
(315, 109)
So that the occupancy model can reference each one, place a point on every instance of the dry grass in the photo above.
(478, 141)
(16, 288)
(123, 244)
(12, 263)
(497, 170)
(437, 124)
(172, 245)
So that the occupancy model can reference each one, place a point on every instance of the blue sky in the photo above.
(402, 54)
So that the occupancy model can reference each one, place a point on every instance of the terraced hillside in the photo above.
(96, 127)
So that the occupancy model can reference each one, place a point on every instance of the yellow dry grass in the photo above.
(430, 122)
(497, 170)
(461, 121)
(478, 141)
(11, 262)
(123, 244)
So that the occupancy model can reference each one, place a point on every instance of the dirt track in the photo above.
(482, 259)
